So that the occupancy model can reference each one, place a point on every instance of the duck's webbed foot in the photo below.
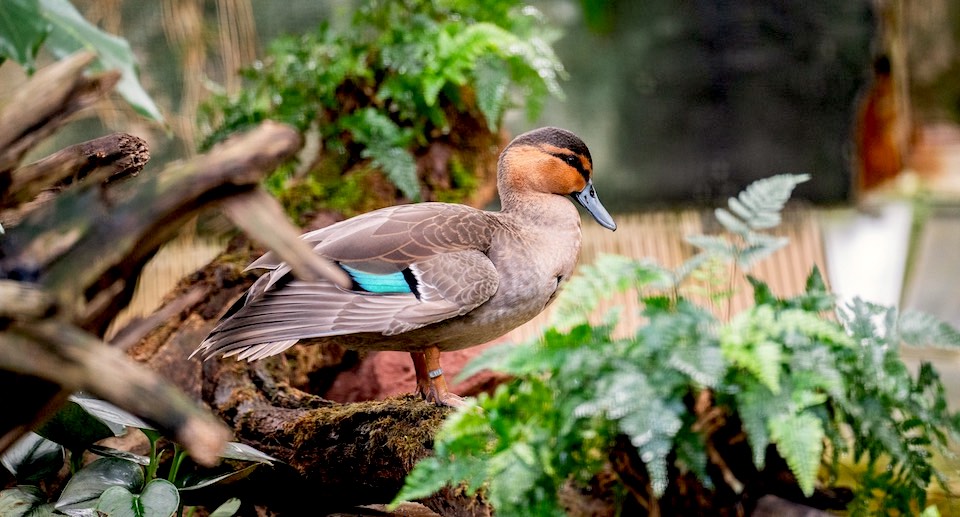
(430, 382)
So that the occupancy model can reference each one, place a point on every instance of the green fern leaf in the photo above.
(797, 321)
(759, 246)
(918, 328)
(427, 477)
(799, 440)
(691, 452)
(755, 407)
(762, 294)
(746, 342)
(758, 207)
(713, 244)
(732, 223)
(399, 167)
(385, 145)
(610, 274)
(492, 77)
(704, 365)
(687, 268)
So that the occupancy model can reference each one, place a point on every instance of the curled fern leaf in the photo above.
(758, 207)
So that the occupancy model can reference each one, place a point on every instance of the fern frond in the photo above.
(626, 397)
(759, 246)
(713, 244)
(868, 322)
(798, 321)
(758, 207)
(747, 342)
(385, 145)
(755, 406)
(686, 269)
(704, 365)
(610, 274)
(917, 328)
(492, 78)
(399, 166)
(799, 439)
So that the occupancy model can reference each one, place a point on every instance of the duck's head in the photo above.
(553, 161)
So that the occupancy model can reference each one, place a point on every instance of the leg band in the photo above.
(433, 374)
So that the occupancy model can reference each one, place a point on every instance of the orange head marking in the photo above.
(552, 161)
(547, 160)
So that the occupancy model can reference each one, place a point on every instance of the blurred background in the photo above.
(682, 104)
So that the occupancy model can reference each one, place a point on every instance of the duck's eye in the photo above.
(570, 159)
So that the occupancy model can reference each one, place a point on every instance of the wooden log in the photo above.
(112, 232)
(44, 103)
(61, 353)
(107, 158)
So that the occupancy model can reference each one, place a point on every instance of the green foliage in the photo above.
(397, 76)
(798, 379)
(119, 483)
(26, 25)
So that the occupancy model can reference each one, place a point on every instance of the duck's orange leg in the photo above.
(430, 382)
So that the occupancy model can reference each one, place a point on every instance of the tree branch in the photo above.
(44, 103)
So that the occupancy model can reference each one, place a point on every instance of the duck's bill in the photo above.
(588, 198)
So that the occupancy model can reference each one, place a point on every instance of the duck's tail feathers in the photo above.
(209, 349)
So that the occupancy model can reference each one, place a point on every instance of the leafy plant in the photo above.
(119, 483)
(401, 74)
(799, 380)
(28, 25)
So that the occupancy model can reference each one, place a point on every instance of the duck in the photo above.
(429, 277)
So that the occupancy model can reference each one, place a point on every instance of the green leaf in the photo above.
(714, 244)
(158, 499)
(730, 222)
(229, 508)
(762, 294)
(918, 328)
(109, 452)
(799, 440)
(108, 412)
(385, 145)
(22, 501)
(759, 246)
(33, 458)
(704, 365)
(747, 342)
(76, 429)
(398, 165)
(608, 275)
(759, 205)
(427, 477)
(492, 79)
(85, 487)
(755, 406)
(22, 31)
(71, 32)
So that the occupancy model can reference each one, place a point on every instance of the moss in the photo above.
(400, 428)
(463, 182)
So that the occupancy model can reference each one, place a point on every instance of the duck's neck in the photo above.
(541, 209)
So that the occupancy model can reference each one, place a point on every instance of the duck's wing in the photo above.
(412, 266)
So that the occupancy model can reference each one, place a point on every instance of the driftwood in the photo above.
(69, 265)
